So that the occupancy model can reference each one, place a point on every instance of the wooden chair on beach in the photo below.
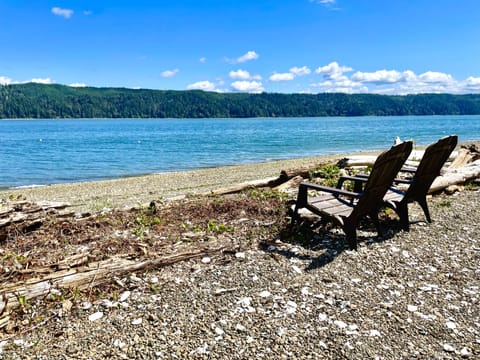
(347, 208)
(419, 184)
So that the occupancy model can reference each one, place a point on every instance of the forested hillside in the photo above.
(57, 101)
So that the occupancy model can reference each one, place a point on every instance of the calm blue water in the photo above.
(38, 152)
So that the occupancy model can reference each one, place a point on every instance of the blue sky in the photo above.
(288, 46)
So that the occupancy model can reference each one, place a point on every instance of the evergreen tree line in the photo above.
(40, 101)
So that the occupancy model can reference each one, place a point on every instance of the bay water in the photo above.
(41, 152)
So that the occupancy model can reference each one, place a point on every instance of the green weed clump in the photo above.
(328, 173)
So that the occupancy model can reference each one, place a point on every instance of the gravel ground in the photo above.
(407, 295)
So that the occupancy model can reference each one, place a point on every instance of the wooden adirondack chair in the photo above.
(346, 208)
(428, 169)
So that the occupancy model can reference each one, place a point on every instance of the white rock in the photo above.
(118, 343)
(374, 332)
(219, 331)
(412, 308)
(465, 352)
(305, 291)
(124, 296)
(240, 255)
(291, 307)
(296, 269)
(340, 324)
(86, 305)
(154, 280)
(137, 321)
(451, 325)
(271, 248)
(322, 317)
(206, 260)
(322, 345)
(95, 316)
(265, 294)
(448, 348)
(240, 327)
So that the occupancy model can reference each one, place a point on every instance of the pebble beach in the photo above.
(405, 295)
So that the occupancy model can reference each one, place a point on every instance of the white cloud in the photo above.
(5, 80)
(300, 71)
(250, 55)
(202, 85)
(239, 74)
(169, 73)
(333, 70)
(282, 77)
(378, 77)
(66, 13)
(202, 59)
(325, 2)
(81, 85)
(243, 75)
(248, 86)
(42, 81)
(435, 77)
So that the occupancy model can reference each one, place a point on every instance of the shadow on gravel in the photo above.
(318, 237)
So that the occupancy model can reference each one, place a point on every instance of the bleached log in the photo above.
(369, 160)
(464, 157)
(457, 176)
(292, 183)
(241, 187)
(12, 295)
(357, 160)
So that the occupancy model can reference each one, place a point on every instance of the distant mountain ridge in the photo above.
(41, 101)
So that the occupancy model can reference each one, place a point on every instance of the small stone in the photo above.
(95, 316)
(206, 260)
(296, 269)
(124, 296)
(240, 327)
(137, 321)
(448, 348)
(465, 352)
(374, 332)
(340, 324)
(412, 308)
(240, 255)
(265, 294)
(291, 307)
(451, 325)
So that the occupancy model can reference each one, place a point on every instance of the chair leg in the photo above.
(402, 211)
(376, 222)
(424, 205)
(350, 229)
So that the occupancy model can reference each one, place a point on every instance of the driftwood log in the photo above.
(457, 176)
(83, 277)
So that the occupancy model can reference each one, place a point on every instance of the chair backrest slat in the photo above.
(384, 170)
(430, 166)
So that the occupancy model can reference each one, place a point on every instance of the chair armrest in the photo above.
(329, 189)
(358, 181)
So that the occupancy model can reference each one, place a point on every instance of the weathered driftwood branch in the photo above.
(241, 187)
(26, 213)
(12, 295)
(292, 183)
(456, 176)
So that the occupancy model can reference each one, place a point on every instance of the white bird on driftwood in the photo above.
(397, 140)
